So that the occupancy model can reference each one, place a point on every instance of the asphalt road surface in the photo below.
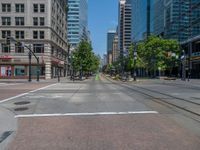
(101, 115)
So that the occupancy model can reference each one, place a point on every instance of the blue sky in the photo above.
(102, 16)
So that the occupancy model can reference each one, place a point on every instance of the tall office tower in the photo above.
(124, 25)
(77, 21)
(110, 38)
(158, 23)
(182, 22)
(177, 20)
(41, 25)
(192, 43)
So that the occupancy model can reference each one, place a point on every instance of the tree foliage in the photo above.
(154, 53)
(83, 58)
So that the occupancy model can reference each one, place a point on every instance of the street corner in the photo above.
(12, 91)
(111, 132)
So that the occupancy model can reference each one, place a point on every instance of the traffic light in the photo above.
(8, 41)
(18, 44)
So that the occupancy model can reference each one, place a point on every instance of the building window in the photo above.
(38, 48)
(6, 21)
(19, 8)
(19, 49)
(19, 71)
(35, 8)
(5, 34)
(35, 34)
(6, 7)
(35, 21)
(42, 21)
(42, 8)
(41, 34)
(5, 48)
(19, 34)
(19, 21)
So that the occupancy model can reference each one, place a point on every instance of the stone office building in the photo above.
(40, 24)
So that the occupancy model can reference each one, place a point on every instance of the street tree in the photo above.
(83, 58)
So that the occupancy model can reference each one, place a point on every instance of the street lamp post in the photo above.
(135, 58)
(30, 75)
(68, 59)
(183, 65)
(58, 73)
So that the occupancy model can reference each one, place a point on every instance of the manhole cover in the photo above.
(22, 103)
(21, 109)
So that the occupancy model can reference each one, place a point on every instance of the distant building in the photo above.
(77, 21)
(115, 50)
(124, 25)
(105, 62)
(41, 24)
(110, 57)
(110, 38)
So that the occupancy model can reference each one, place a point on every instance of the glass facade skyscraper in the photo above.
(177, 19)
(158, 23)
(139, 19)
(77, 21)
(110, 38)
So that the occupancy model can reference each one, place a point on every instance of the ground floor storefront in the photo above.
(22, 71)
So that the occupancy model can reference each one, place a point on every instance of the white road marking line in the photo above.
(20, 95)
(8, 84)
(86, 114)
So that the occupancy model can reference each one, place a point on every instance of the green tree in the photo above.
(156, 53)
(83, 59)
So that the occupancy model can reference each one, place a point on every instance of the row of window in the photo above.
(21, 34)
(37, 48)
(20, 8)
(19, 21)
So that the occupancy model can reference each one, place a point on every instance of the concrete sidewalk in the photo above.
(54, 80)
(192, 82)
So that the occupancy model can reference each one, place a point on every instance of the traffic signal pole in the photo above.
(8, 41)
(29, 76)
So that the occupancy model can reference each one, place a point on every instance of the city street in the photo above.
(101, 114)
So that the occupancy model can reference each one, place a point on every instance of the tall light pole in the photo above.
(135, 58)
(183, 59)
(30, 74)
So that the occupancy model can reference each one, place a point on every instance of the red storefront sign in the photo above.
(6, 57)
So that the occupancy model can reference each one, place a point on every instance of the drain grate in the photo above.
(22, 103)
(5, 135)
(21, 109)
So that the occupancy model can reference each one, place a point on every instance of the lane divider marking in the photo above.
(86, 114)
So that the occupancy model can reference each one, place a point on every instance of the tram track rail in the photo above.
(187, 112)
